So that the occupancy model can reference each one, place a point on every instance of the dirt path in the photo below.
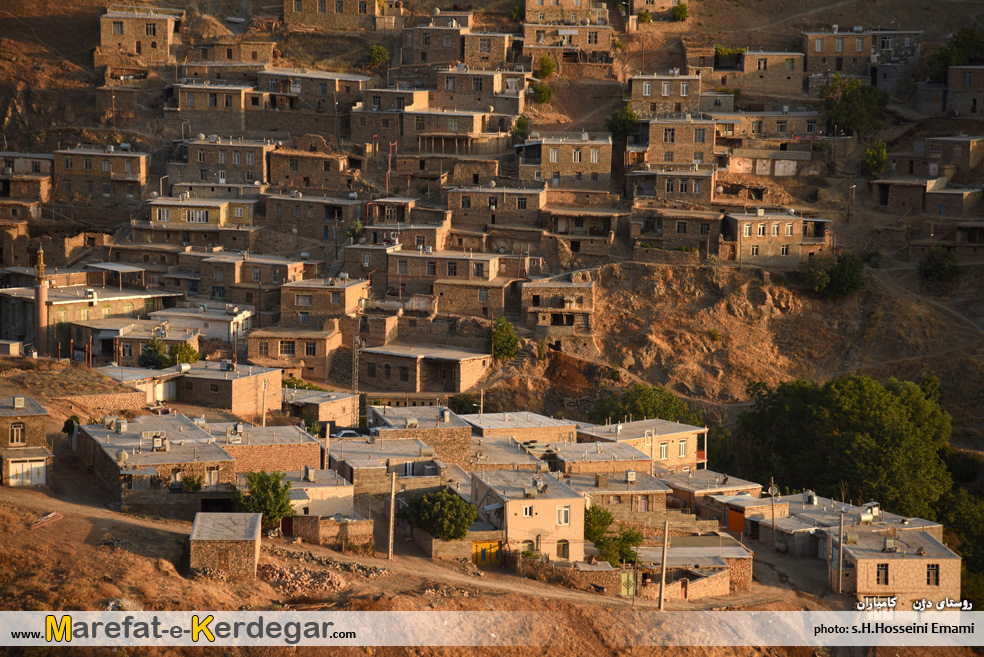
(887, 279)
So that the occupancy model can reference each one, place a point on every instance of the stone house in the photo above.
(679, 184)
(333, 410)
(453, 132)
(572, 161)
(671, 446)
(567, 11)
(370, 464)
(696, 558)
(311, 302)
(212, 105)
(655, 8)
(105, 175)
(668, 141)
(776, 238)
(421, 368)
(415, 272)
(589, 230)
(522, 426)
(138, 36)
(670, 228)
(183, 212)
(226, 323)
(371, 261)
(536, 513)
(24, 178)
(305, 353)
(762, 71)
(567, 42)
(133, 339)
(267, 449)
(734, 511)
(313, 217)
(631, 496)
(344, 15)
(594, 458)
(26, 458)
(310, 89)
(377, 117)
(418, 236)
(223, 161)
(659, 95)
(462, 87)
(438, 427)
(320, 493)
(439, 42)
(940, 156)
(245, 391)
(965, 89)
(883, 58)
(693, 487)
(226, 543)
(226, 51)
(308, 170)
(248, 279)
(491, 50)
(479, 207)
(911, 194)
(559, 305)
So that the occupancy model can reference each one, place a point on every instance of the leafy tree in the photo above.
(521, 130)
(69, 427)
(546, 67)
(301, 384)
(542, 93)
(181, 353)
(851, 106)
(191, 483)
(641, 400)
(875, 157)
(965, 47)
(680, 12)
(623, 122)
(832, 279)
(725, 57)
(645, 17)
(154, 355)
(503, 341)
(267, 493)
(378, 56)
(939, 265)
(852, 437)
(597, 520)
(354, 230)
(442, 514)
(516, 13)
(962, 515)
(620, 546)
(463, 404)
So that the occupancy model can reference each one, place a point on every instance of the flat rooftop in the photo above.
(205, 369)
(512, 485)
(826, 513)
(321, 479)
(310, 73)
(870, 545)
(226, 527)
(637, 429)
(587, 484)
(427, 417)
(359, 453)
(31, 407)
(502, 451)
(209, 314)
(317, 283)
(426, 351)
(595, 452)
(746, 501)
(513, 420)
(126, 374)
(254, 435)
(187, 442)
(705, 481)
(300, 397)
(76, 294)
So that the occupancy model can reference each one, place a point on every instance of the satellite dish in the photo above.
(122, 456)
(491, 184)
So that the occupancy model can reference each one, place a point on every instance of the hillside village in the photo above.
(248, 259)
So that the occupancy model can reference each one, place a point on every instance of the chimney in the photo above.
(601, 480)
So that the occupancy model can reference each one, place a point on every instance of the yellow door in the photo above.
(485, 553)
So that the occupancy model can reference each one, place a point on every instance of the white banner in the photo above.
(441, 628)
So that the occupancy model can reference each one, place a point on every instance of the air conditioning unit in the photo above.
(630, 476)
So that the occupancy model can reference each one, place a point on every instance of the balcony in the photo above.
(126, 177)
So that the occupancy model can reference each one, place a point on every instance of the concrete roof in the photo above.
(595, 452)
(579, 210)
(31, 407)
(210, 314)
(704, 481)
(309, 73)
(826, 513)
(254, 435)
(586, 484)
(512, 485)
(746, 501)
(126, 374)
(428, 417)
(637, 429)
(187, 442)
(226, 527)
(335, 283)
(76, 294)
(204, 369)
(299, 397)
(364, 454)
(99, 150)
(870, 545)
(322, 479)
(502, 451)
(514, 420)
(426, 351)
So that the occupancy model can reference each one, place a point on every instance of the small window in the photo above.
(18, 434)
(117, 27)
(564, 515)
(664, 451)
(682, 449)
(932, 574)
(784, 249)
(755, 250)
(213, 387)
(882, 574)
(287, 348)
(528, 511)
(563, 549)
(371, 370)
(310, 348)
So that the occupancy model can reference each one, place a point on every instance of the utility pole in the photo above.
(840, 556)
(266, 384)
(662, 565)
(392, 512)
(772, 491)
(355, 364)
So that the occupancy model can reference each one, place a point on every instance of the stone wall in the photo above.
(275, 458)
(601, 581)
(357, 534)
(110, 402)
(663, 256)
(234, 559)
(451, 444)
(181, 506)
(460, 549)
(741, 573)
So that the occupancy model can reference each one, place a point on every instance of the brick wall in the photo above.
(234, 559)
(275, 458)
(609, 467)
(164, 503)
(327, 532)
(242, 396)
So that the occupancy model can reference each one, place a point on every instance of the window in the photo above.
(592, 38)
(763, 64)
(789, 230)
(932, 574)
(647, 88)
(811, 126)
(126, 349)
(669, 135)
(387, 371)
(363, 7)
(105, 165)
(888, 43)
(213, 100)
(705, 227)
(859, 45)
(298, 6)
(299, 299)
(682, 453)
(564, 515)
(681, 227)
(761, 230)
(404, 373)
(163, 214)
(747, 230)
(87, 164)
(117, 27)
(465, 202)
(755, 250)
(335, 297)
(563, 549)
(452, 125)
(420, 124)
(781, 126)
(310, 348)
(790, 64)
(818, 45)
(107, 190)
(666, 88)
(670, 186)
(698, 157)
(339, 7)
(371, 370)
(935, 150)
(775, 230)
(699, 135)
(839, 45)
(322, 6)
(882, 574)
(967, 78)
(452, 269)
(68, 163)
(264, 348)
(757, 127)
(366, 261)
(218, 292)
(784, 250)
(485, 45)
(554, 154)
(668, 156)
(483, 295)
(664, 451)
(401, 267)
(521, 203)
(528, 511)
(684, 186)
(431, 268)
(577, 156)
(17, 434)
(684, 88)
(287, 348)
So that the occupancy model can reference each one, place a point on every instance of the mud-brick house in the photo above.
(228, 543)
(25, 456)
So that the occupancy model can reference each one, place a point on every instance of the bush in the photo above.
(541, 350)
(623, 122)
(521, 130)
(680, 12)
(516, 13)
(463, 404)
(154, 355)
(300, 384)
(266, 493)
(837, 278)
(851, 106)
(182, 353)
(503, 341)
(191, 483)
(69, 427)
(443, 515)
(645, 17)
(597, 520)
(714, 335)
(542, 94)
(546, 67)
(378, 56)
(939, 265)
(354, 230)
(875, 157)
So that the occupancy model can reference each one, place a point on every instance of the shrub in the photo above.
(463, 404)
(542, 94)
(516, 13)
(875, 157)
(503, 341)
(714, 335)
(521, 130)
(266, 493)
(546, 67)
(442, 514)
(191, 483)
(541, 350)
(378, 56)
(680, 12)
(623, 122)
(939, 265)
(645, 17)
(300, 384)
(833, 279)
(69, 427)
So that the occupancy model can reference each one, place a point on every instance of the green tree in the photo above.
(181, 353)
(597, 520)
(542, 93)
(378, 56)
(875, 157)
(516, 13)
(301, 384)
(503, 341)
(623, 122)
(354, 230)
(191, 483)
(965, 47)
(619, 546)
(546, 67)
(154, 355)
(645, 17)
(463, 404)
(851, 106)
(832, 279)
(939, 265)
(852, 436)
(521, 130)
(680, 12)
(266, 493)
(70, 424)
(442, 514)
(641, 400)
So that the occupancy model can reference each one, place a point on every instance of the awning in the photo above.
(492, 507)
(116, 266)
